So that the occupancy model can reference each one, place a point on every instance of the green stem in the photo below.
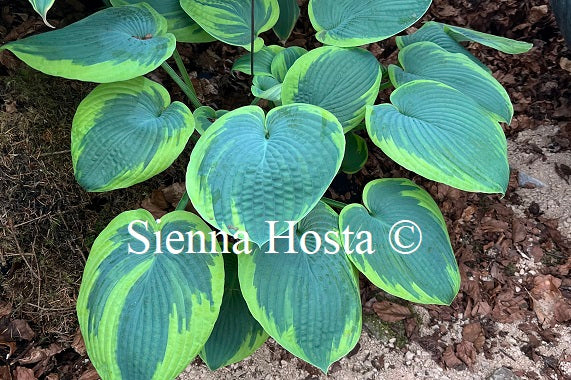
(189, 91)
(182, 69)
(334, 203)
(255, 101)
(386, 85)
(183, 202)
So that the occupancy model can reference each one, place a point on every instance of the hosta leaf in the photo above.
(434, 32)
(284, 60)
(448, 38)
(230, 20)
(267, 168)
(349, 23)
(356, 153)
(146, 316)
(426, 60)
(309, 303)
(42, 7)
(412, 256)
(270, 86)
(236, 334)
(343, 81)
(204, 117)
(262, 61)
(502, 44)
(266, 88)
(179, 23)
(126, 132)
(289, 13)
(111, 45)
(442, 134)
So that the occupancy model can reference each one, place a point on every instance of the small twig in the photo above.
(508, 355)
(51, 309)
(522, 254)
(55, 153)
(19, 249)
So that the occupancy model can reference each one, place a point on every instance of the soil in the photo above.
(513, 311)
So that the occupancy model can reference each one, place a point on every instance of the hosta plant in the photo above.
(267, 255)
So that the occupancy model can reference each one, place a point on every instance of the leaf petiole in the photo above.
(334, 203)
(189, 91)
(183, 202)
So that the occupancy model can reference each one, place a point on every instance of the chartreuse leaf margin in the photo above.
(236, 334)
(349, 23)
(269, 87)
(428, 275)
(440, 133)
(284, 60)
(42, 7)
(266, 167)
(426, 60)
(146, 316)
(204, 117)
(230, 20)
(184, 28)
(114, 44)
(309, 303)
(126, 132)
(265, 87)
(263, 59)
(343, 81)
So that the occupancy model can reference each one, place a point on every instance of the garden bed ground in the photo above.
(513, 310)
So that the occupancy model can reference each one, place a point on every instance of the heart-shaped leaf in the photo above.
(262, 61)
(236, 334)
(411, 256)
(42, 7)
(230, 20)
(267, 168)
(356, 153)
(443, 135)
(179, 23)
(343, 81)
(426, 60)
(147, 315)
(349, 23)
(112, 45)
(289, 13)
(204, 117)
(124, 133)
(317, 315)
